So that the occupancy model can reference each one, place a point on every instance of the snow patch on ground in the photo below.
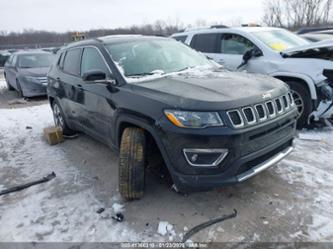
(61, 210)
(3, 85)
(313, 148)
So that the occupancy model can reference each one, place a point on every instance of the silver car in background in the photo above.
(305, 66)
(26, 72)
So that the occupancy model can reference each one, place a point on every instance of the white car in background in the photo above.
(306, 67)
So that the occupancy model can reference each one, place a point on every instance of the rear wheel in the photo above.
(303, 102)
(59, 119)
(132, 163)
(10, 88)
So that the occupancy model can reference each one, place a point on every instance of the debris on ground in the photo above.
(165, 228)
(17, 102)
(28, 127)
(117, 208)
(206, 224)
(119, 217)
(100, 210)
(53, 135)
(27, 185)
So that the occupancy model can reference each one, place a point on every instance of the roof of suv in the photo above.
(111, 39)
(213, 30)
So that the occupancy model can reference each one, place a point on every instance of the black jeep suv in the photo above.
(212, 127)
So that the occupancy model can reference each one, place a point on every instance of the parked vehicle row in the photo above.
(277, 53)
(142, 94)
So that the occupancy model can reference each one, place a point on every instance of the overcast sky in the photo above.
(68, 15)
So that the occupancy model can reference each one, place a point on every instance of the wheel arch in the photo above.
(299, 78)
(130, 120)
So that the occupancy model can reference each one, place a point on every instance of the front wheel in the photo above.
(59, 119)
(303, 102)
(132, 163)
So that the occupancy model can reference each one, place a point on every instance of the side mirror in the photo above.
(254, 52)
(94, 75)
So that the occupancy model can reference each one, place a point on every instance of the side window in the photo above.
(235, 44)
(180, 38)
(61, 58)
(10, 60)
(206, 43)
(15, 57)
(71, 63)
(92, 60)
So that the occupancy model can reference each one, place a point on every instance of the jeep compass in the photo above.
(139, 93)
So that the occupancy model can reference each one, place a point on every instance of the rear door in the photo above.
(72, 98)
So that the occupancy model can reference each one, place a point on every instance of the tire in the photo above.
(10, 88)
(59, 119)
(19, 89)
(303, 102)
(132, 163)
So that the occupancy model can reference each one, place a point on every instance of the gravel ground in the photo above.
(290, 202)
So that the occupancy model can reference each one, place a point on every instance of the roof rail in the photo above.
(251, 25)
(219, 26)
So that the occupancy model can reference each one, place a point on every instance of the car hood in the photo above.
(320, 50)
(38, 71)
(212, 89)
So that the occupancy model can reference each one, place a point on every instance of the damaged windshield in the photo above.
(280, 40)
(155, 56)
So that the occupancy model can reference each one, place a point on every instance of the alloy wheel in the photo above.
(298, 102)
(58, 119)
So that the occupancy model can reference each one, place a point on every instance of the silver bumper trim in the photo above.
(264, 165)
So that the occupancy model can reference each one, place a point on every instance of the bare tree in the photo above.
(296, 13)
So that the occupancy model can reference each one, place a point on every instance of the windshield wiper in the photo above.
(139, 74)
(146, 73)
(184, 69)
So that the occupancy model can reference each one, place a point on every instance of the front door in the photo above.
(98, 108)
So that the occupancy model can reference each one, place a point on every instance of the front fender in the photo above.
(311, 85)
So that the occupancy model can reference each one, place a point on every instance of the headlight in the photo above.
(186, 119)
(32, 79)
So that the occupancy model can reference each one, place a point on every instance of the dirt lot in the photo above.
(292, 201)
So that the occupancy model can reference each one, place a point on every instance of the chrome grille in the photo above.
(258, 113)
(236, 118)
(249, 115)
(278, 104)
(42, 80)
(270, 108)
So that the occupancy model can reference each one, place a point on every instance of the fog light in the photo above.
(205, 157)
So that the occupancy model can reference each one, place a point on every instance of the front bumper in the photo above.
(249, 153)
(324, 109)
(32, 89)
